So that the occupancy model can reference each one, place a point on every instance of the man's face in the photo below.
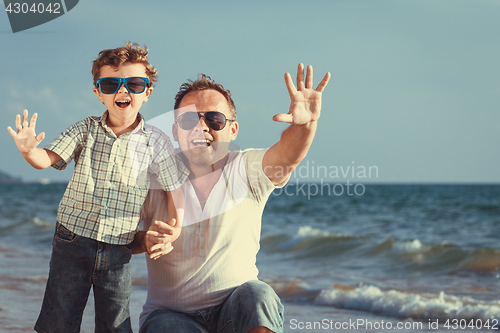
(202, 145)
(122, 104)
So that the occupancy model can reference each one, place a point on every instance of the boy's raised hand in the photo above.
(26, 138)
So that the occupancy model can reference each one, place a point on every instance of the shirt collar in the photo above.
(140, 127)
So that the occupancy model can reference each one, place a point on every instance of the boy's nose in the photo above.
(122, 88)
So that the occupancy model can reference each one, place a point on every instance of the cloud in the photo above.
(20, 98)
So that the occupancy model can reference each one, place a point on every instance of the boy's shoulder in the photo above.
(151, 128)
(84, 123)
(156, 136)
(154, 132)
(87, 120)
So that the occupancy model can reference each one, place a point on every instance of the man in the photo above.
(208, 282)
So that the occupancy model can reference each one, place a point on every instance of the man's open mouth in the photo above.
(201, 142)
(122, 104)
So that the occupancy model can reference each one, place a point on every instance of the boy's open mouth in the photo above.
(122, 104)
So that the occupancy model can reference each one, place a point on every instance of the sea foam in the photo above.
(408, 305)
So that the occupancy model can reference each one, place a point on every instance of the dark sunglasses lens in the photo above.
(216, 120)
(136, 85)
(188, 120)
(109, 86)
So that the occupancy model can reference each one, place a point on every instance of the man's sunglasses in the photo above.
(110, 85)
(214, 119)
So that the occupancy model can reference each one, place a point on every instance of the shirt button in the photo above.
(201, 247)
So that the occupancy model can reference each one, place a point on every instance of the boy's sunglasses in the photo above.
(214, 119)
(110, 85)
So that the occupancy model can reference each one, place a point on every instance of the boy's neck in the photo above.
(121, 126)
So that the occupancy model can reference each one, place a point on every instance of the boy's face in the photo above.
(123, 106)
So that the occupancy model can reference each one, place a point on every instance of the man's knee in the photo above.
(258, 293)
(160, 321)
(257, 306)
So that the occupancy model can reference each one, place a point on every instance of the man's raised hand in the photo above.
(305, 101)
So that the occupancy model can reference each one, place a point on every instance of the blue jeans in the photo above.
(252, 304)
(77, 264)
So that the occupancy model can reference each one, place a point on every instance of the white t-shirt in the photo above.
(218, 245)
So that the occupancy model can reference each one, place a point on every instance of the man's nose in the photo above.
(202, 124)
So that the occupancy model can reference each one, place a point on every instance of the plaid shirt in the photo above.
(111, 178)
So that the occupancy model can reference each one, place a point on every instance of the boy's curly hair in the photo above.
(115, 58)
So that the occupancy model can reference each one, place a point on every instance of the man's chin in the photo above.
(203, 157)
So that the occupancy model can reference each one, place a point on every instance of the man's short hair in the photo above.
(203, 82)
(115, 58)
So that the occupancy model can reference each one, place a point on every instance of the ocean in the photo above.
(377, 258)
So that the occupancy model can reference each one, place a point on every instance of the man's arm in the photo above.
(305, 108)
(27, 142)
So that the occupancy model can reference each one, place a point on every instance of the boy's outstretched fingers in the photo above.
(26, 132)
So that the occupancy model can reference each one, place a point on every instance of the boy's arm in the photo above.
(27, 142)
(159, 206)
(175, 207)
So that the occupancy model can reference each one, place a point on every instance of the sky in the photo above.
(414, 95)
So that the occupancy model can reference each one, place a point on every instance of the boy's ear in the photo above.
(148, 93)
(98, 93)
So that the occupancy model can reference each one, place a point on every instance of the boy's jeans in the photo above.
(77, 263)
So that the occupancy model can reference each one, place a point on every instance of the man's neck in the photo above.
(204, 177)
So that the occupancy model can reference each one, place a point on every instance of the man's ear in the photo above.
(234, 130)
(97, 91)
(175, 134)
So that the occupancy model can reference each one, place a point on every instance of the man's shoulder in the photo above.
(246, 156)
(253, 154)
(248, 161)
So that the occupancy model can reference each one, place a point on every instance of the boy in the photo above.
(99, 213)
